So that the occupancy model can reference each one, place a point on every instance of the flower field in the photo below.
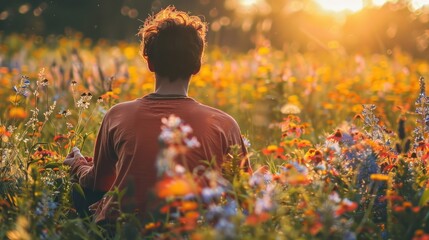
(338, 143)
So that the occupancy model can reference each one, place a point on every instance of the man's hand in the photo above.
(72, 156)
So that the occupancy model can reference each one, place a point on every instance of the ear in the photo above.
(150, 65)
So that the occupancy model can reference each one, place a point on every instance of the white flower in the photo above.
(290, 109)
(171, 122)
(186, 129)
(192, 143)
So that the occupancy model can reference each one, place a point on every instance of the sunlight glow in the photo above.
(416, 4)
(379, 3)
(341, 5)
(249, 3)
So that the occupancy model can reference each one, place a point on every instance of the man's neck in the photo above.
(166, 87)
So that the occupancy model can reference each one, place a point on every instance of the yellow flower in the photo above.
(379, 177)
(263, 50)
(14, 98)
(294, 99)
(130, 52)
(17, 112)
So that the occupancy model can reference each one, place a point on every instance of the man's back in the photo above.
(129, 140)
(127, 144)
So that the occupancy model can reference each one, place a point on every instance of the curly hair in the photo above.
(173, 43)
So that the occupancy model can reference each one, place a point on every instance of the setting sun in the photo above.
(341, 5)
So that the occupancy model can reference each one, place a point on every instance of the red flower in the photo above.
(336, 136)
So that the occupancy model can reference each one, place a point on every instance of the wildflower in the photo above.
(109, 95)
(14, 98)
(4, 134)
(41, 74)
(303, 143)
(65, 113)
(226, 227)
(22, 89)
(188, 205)
(44, 82)
(192, 143)
(358, 117)
(419, 234)
(175, 187)
(337, 136)
(255, 219)
(298, 179)
(211, 194)
(398, 208)
(271, 149)
(50, 111)
(60, 137)
(345, 206)
(171, 122)
(379, 177)
(314, 156)
(246, 142)
(290, 108)
(17, 113)
(407, 204)
(21, 231)
(152, 225)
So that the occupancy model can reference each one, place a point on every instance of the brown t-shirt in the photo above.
(127, 146)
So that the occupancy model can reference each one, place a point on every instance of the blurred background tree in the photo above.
(291, 25)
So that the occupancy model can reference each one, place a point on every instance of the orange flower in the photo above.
(255, 219)
(298, 179)
(407, 204)
(60, 137)
(175, 187)
(398, 209)
(303, 143)
(420, 235)
(109, 94)
(17, 113)
(272, 149)
(188, 205)
(152, 225)
(346, 206)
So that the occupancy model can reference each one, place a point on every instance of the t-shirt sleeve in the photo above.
(101, 174)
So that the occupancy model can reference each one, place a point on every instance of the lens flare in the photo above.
(341, 5)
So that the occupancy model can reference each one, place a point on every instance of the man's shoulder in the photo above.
(123, 107)
(217, 114)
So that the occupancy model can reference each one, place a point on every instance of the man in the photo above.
(127, 146)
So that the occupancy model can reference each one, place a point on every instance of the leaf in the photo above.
(425, 198)
(53, 165)
(77, 188)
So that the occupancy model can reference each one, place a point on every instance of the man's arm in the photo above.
(100, 174)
